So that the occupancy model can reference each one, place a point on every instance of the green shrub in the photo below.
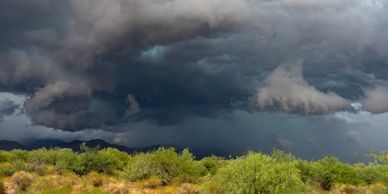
(121, 159)
(4, 156)
(380, 157)
(22, 179)
(369, 174)
(165, 164)
(330, 171)
(7, 170)
(44, 156)
(105, 161)
(308, 171)
(18, 155)
(212, 164)
(256, 173)
(189, 169)
(282, 156)
(66, 160)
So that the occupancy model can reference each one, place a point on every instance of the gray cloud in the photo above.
(376, 100)
(285, 89)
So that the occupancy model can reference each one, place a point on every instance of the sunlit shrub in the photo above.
(22, 179)
(256, 173)
(165, 164)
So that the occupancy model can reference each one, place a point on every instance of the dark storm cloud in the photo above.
(101, 64)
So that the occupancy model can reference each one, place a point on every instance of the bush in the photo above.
(40, 170)
(165, 164)
(369, 174)
(22, 179)
(380, 157)
(330, 170)
(7, 170)
(44, 156)
(282, 156)
(2, 187)
(18, 155)
(4, 156)
(66, 160)
(212, 164)
(256, 173)
(95, 179)
(105, 161)
(308, 171)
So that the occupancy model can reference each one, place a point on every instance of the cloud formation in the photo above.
(285, 89)
(100, 64)
(376, 100)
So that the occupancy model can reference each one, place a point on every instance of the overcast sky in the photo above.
(310, 77)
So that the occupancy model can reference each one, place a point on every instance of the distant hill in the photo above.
(75, 146)
(10, 145)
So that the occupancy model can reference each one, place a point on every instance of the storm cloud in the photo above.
(99, 64)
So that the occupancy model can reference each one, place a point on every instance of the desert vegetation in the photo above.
(164, 170)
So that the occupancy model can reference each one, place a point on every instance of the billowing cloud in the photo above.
(376, 100)
(285, 89)
(87, 64)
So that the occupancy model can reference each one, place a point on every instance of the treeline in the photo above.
(278, 172)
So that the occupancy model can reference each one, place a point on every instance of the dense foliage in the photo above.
(279, 172)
